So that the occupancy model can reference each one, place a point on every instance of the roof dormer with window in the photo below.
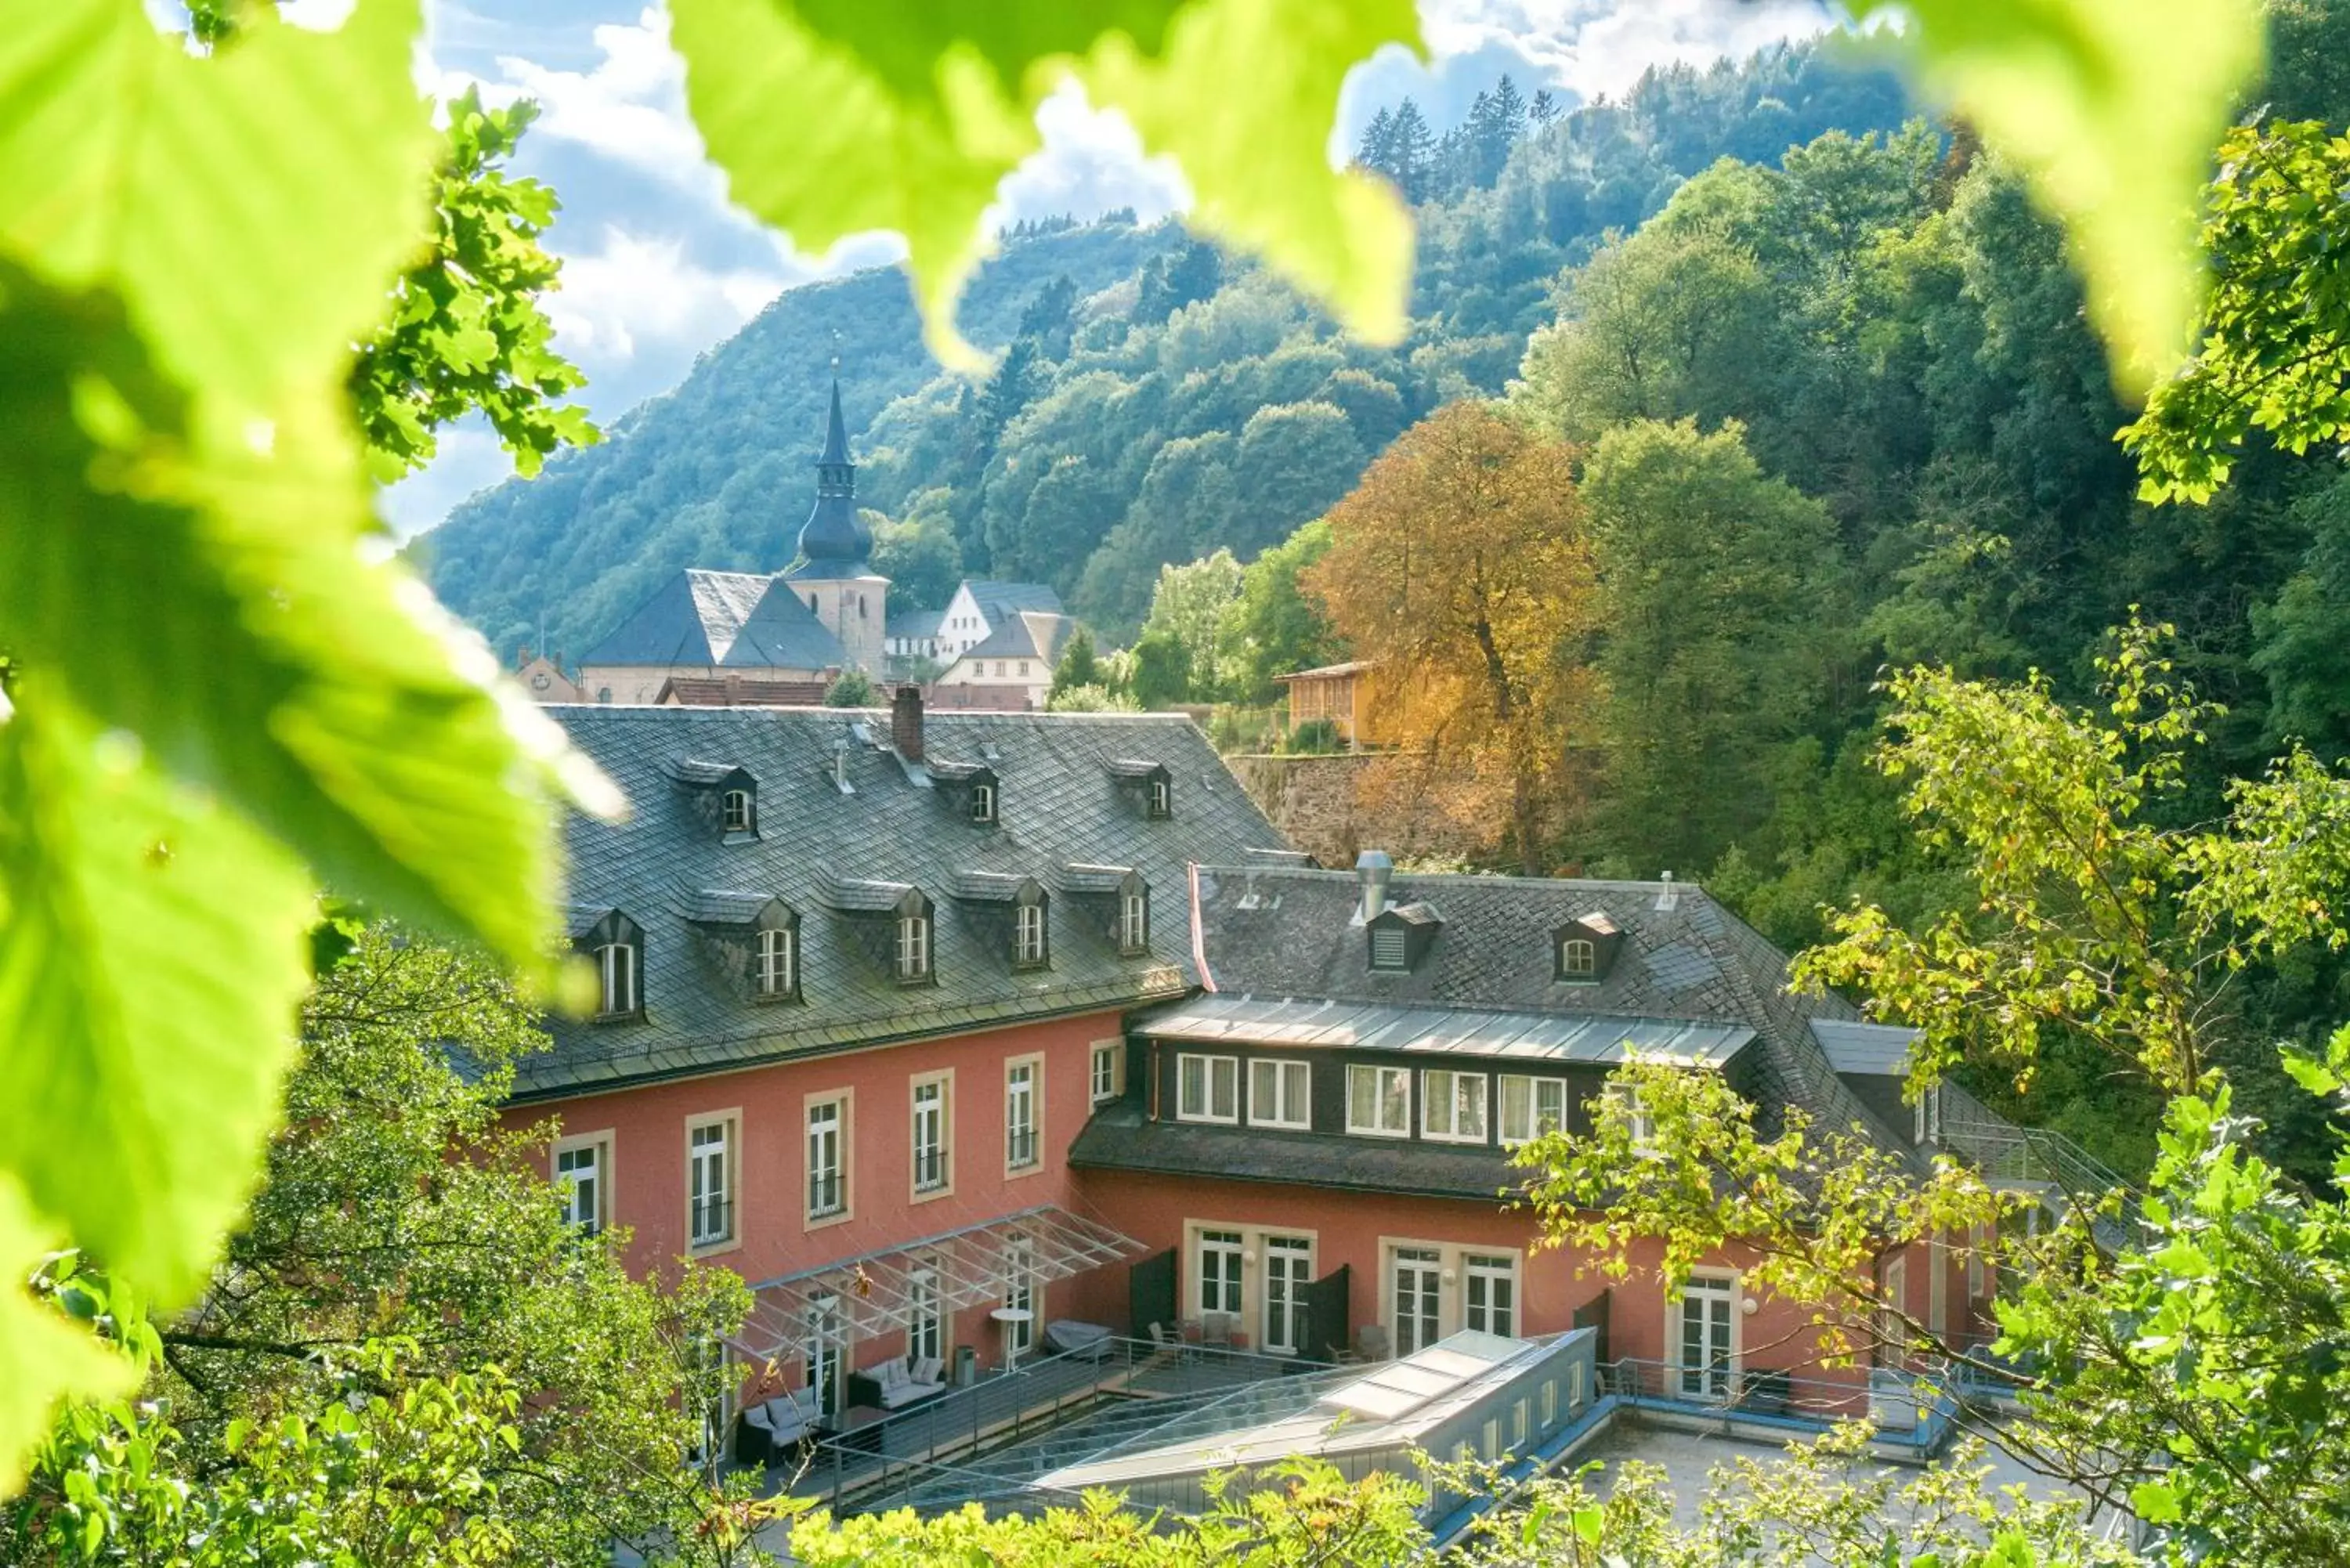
(972, 789)
(723, 795)
(1584, 949)
(616, 945)
(893, 924)
(1009, 913)
(755, 939)
(1121, 898)
(1150, 784)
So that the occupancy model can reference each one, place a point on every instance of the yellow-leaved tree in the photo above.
(1460, 568)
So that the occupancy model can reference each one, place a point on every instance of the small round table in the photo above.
(1010, 1317)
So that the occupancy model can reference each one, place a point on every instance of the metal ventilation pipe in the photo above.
(1375, 871)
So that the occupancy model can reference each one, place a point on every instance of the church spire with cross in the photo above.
(832, 534)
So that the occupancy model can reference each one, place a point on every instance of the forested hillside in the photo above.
(1156, 404)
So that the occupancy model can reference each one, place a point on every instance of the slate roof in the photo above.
(1120, 1137)
(691, 618)
(736, 690)
(914, 624)
(828, 855)
(783, 633)
(1029, 634)
(998, 601)
(1273, 931)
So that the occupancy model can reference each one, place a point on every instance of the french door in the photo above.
(1288, 1270)
(1417, 1281)
(1707, 1361)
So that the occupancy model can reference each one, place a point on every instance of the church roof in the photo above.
(693, 617)
(783, 633)
(833, 539)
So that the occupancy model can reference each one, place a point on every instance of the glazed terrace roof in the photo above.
(877, 1292)
(1451, 1031)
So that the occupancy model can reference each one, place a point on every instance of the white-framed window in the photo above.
(1107, 1070)
(1218, 1272)
(1414, 1281)
(824, 1347)
(710, 1181)
(913, 947)
(925, 1328)
(616, 967)
(1028, 934)
(1893, 1295)
(1550, 1402)
(735, 807)
(1288, 1271)
(1489, 1294)
(1452, 1105)
(778, 961)
(1207, 1088)
(582, 1176)
(827, 1157)
(1022, 1147)
(1162, 799)
(1532, 1107)
(1281, 1093)
(1133, 921)
(1023, 667)
(983, 802)
(1020, 1292)
(932, 1171)
(1578, 958)
(1378, 1101)
(1705, 1347)
(1925, 1117)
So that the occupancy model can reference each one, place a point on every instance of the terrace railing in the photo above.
(1907, 1410)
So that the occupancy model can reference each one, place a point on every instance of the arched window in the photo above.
(913, 947)
(1028, 949)
(1133, 917)
(737, 807)
(1577, 956)
(778, 973)
(615, 966)
(603, 695)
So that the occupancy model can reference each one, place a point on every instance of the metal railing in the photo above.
(826, 1194)
(2037, 1157)
(1909, 1410)
(1020, 1146)
(882, 1453)
(713, 1220)
(929, 1168)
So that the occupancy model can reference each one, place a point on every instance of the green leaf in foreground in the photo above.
(2113, 107)
(128, 164)
(833, 116)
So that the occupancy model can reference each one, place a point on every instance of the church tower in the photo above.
(833, 577)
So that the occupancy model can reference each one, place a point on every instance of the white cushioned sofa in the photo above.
(897, 1383)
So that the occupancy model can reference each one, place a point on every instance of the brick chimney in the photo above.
(906, 723)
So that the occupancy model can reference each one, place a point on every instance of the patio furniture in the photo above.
(1071, 1338)
(765, 1432)
(1370, 1343)
(1216, 1329)
(897, 1383)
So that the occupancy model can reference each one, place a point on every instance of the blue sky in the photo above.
(658, 266)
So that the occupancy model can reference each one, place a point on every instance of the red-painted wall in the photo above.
(646, 1129)
(1359, 1229)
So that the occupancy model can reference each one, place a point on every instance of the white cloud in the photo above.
(1091, 162)
(635, 291)
(469, 459)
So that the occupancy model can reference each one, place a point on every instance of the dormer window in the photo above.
(1133, 918)
(1162, 799)
(913, 948)
(616, 944)
(1584, 949)
(736, 811)
(1401, 935)
(777, 974)
(615, 966)
(983, 801)
(1028, 948)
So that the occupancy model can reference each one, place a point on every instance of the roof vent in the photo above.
(1668, 897)
(840, 768)
(1374, 869)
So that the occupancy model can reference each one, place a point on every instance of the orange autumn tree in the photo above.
(1460, 566)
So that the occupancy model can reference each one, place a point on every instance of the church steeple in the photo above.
(832, 534)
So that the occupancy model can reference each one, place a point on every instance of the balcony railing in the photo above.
(929, 1168)
(1906, 1409)
(1020, 1146)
